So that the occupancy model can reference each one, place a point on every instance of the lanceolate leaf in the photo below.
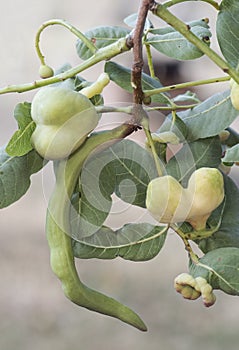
(220, 268)
(121, 76)
(228, 233)
(15, 173)
(20, 143)
(228, 30)
(175, 45)
(101, 37)
(209, 117)
(124, 169)
(137, 242)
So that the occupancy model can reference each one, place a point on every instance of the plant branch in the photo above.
(130, 109)
(162, 12)
(150, 61)
(185, 85)
(105, 53)
(136, 75)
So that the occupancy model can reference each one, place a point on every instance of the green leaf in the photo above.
(209, 117)
(220, 268)
(121, 76)
(101, 37)
(194, 155)
(175, 45)
(136, 242)
(124, 169)
(15, 173)
(227, 28)
(228, 233)
(232, 154)
(20, 142)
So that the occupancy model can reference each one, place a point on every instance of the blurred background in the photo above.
(33, 310)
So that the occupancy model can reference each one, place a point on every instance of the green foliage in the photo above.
(15, 173)
(121, 76)
(174, 44)
(194, 155)
(20, 143)
(220, 268)
(100, 37)
(135, 242)
(106, 166)
(209, 117)
(228, 30)
(228, 233)
(124, 169)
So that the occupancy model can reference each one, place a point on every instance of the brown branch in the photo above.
(136, 75)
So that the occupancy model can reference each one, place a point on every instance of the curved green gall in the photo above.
(59, 239)
(168, 202)
(64, 118)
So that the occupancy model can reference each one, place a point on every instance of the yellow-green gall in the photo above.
(168, 202)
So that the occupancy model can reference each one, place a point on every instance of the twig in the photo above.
(136, 76)
(185, 85)
(187, 245)
(162, 12)
(102, 54)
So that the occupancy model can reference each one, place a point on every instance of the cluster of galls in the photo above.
(192, 288)
(169, 202)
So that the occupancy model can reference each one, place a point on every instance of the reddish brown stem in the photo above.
(136, 76)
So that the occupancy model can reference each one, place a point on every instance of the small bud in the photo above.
(223, 135)
(147, 100)
(45, 71)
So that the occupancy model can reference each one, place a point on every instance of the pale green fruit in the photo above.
(166, 200)
(206, 189)
(63, 118)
